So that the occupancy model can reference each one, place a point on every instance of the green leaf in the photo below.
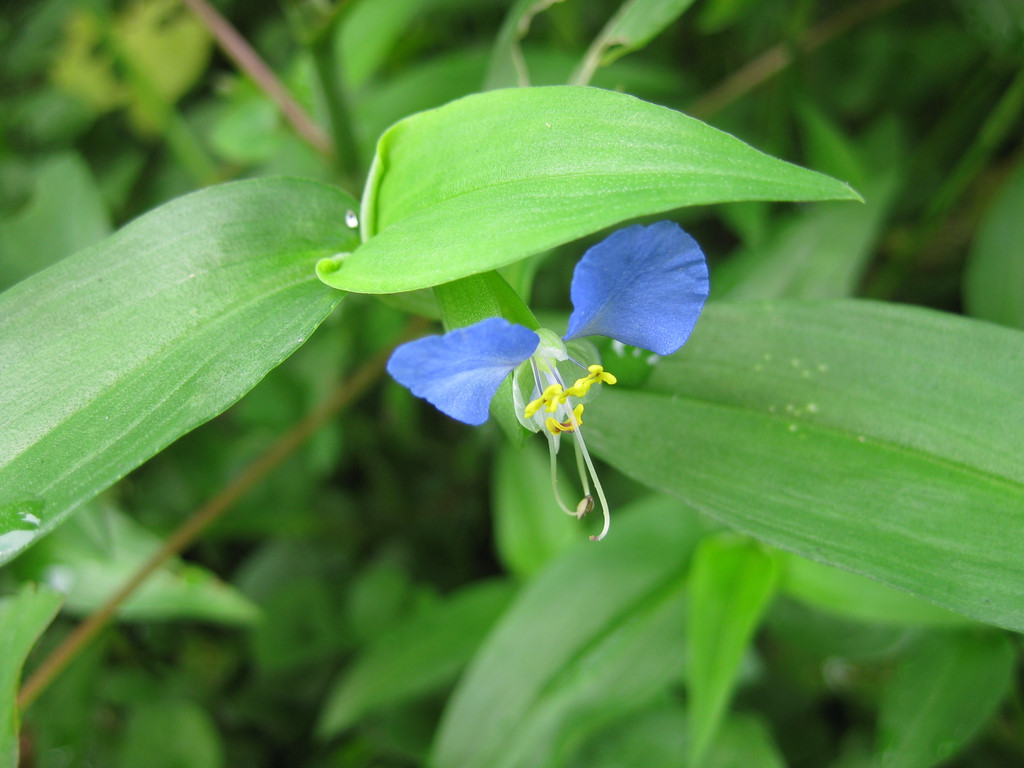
(116, 351)
(507, 68)
(64, 215)
(879, 438)
(100, 548)
(169, 734)
(856, 597)
(657, 737)
(821, 253)
(731, 584)
(634, 25)
(943, 693)
(422, 654)
(530, 529)
(492, 178)
(429, 84)
(595, 635)
(994, 280)
(717, 15)
(823, 250)
(23, 617)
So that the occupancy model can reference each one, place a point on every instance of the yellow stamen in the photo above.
(549, 400)
(557, 427)
(597, 374)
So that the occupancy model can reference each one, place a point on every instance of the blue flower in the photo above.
(642, 286)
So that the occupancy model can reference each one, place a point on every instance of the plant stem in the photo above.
(248, 61)
(340, 397)
(332, 88)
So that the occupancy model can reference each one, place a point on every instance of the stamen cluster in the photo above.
(555, 395)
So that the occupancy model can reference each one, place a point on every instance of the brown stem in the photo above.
(246, 59)
(343, 394)
(780, 56)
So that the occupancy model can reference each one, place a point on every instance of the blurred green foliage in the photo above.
(398, 556)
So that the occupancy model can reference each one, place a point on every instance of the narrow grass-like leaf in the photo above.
(495, 177)
(942, 694)
(731, 583)
(23, 617)
(114, 352)
(595, 635)
(879, 438)
(506, 68)
(635, 24)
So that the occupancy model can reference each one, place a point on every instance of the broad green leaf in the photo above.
(64, 215)
(942, 694)
(595, 635)
(169, 734)
(731, 584)
(23, 617)
(530, 528)
(994, 279)
(634, 25)
(113, 353)
(856, 597)
(422, 654)
(90, 557)
(879, 438)
(658, 738)
(492, 178)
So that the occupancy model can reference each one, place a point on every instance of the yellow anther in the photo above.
(598, 373)
(549, 399)
(557, 427)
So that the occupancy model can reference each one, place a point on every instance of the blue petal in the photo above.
(460, 372)
(644, 286)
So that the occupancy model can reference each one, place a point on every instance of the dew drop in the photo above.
(351, 220)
